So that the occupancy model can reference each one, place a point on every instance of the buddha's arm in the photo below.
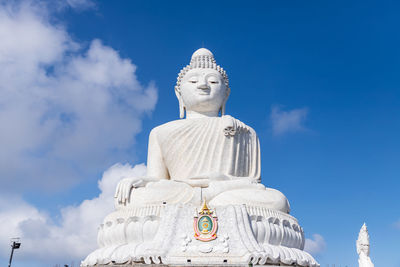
(253, 173)
(155, 163)
(156, 170)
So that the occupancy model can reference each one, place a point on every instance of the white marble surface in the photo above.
(165, 235)
(205, 155)
(362, 245)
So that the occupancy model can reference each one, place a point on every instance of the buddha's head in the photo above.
(202, 86)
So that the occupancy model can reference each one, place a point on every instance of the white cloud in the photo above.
(66, 110)
(316, 245)
(80, 4)
(288, 121)
(75, 236)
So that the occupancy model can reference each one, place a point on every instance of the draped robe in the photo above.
(221, 149)
(196, 147)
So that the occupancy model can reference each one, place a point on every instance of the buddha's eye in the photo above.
(213, 80)
(193, 80)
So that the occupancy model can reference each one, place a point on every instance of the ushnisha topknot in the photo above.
(204, 59)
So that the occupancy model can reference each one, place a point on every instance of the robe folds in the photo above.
(216, 145)
(223, 150)
(364, 261)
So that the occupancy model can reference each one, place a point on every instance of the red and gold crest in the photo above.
(205, 224)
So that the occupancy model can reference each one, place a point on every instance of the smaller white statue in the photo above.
(363, 248)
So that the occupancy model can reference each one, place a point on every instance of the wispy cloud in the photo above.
(397, 224)
(316, 245)
(61, 5)
(74, 237)
(286, 121)
(66, 110)
(81, 4)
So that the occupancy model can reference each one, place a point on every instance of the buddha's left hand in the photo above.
(124, 187)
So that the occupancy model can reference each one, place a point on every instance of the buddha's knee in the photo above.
(266, 197)
(280, 202)
(270, 198)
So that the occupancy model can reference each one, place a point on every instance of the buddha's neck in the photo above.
(191, 114)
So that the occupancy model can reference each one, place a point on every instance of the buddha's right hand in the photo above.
(124, 187)
(205, 179)
(198, 182)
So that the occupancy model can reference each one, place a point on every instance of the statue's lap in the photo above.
(218, 193)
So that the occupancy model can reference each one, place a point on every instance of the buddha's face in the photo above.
(203, 90)
(364, 248)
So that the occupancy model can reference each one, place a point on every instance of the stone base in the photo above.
(165, 236)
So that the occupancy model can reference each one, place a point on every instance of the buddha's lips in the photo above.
(204, 91)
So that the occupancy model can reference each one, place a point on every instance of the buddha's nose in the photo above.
(203, 86)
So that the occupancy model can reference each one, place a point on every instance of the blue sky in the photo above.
(83, 83)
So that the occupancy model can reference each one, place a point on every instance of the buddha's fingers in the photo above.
(122, 192)
(123, 195)
(128, 188)
(118, 193)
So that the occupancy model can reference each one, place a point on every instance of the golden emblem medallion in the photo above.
(205, 224)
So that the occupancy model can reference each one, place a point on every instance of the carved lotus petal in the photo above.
(205, 248)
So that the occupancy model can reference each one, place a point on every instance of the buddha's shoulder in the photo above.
(224, 121)
(238, 124)
(167, 127)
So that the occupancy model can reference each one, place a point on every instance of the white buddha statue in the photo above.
(362, 245)
(205, 154)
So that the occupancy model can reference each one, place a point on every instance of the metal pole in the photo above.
(12, 252)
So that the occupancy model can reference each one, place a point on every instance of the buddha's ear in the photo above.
(181, 108)
(181, 105)
(222, 109)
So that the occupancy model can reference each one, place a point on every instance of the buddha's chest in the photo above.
(206, 147)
